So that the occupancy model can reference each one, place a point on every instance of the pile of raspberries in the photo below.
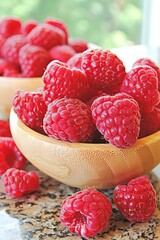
(92, 99)
(27, 47)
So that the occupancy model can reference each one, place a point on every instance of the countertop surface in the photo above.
(36, 216)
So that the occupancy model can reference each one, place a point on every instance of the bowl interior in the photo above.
(83, 164)
(9, 85)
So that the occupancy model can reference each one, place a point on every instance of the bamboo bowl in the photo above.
(9, 85)
(83, 164)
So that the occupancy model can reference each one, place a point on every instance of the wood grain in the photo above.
(86, 165)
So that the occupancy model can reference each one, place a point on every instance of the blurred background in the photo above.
(112, 24)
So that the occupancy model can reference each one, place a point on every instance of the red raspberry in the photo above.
(30, 108)
(86, 213)
(59, 24)
(69, 119)
(117, 118)
(2, 41)
(61, 81)
(46, 36)
(11, 47)
(150, 122)
(4, 128)
(142, 84)
(10, 26)
(62, 53)
(79, 45)
(10, 155)
(75, 61)
(137, 200)
(28, 26)
(103, 68)
(7, 66)
(148, 62)
(17, 183)
(33, 60)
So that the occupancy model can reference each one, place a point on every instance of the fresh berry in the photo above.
(59, 24)
(28, 26)
(75, 61)
(61, 81)
(33, 60)
(4, 128)
(46, 36)
(7, 66)
(150, 122)
(62, 53)
(2, 41)
(86, 213)
(10, 155)
(69, 119)
(17, 183)
(137, 200)
(148, 62)
(117, 118)
(30, 108)
(10, 26)
(79, 45)
(11, 47)
(142, 84)
(103, 68)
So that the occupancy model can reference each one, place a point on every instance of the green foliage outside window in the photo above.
(107, 23)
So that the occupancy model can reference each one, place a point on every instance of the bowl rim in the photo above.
(48, 139)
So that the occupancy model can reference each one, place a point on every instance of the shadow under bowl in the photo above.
(83, 164)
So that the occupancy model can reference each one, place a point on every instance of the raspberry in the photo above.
(2, 41)
(10, 26)
(79, 45)
(61, 81)
(75, 61)
(137, 200)
(117, 118)
(11, 48)
(142, 84)
(148, 62)
(62, 53)
(150, 122)
(59, 24)
(10, 155)
(86, 213)
(33, 60)
(69, 119)
(7, 66)
(28, 26)
(4, 128)
(17, 183)
(46, 36)
(103, 68)
(30, 108)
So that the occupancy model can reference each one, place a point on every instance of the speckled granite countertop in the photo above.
(36, 216)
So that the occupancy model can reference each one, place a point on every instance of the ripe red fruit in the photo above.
(60, 81)
(137, 200)
(62, 53)
(86, 213)
(117, 118)
(69, 119)
(30, 108)
(10, 155)
(142, 84)
(103, 68)
(17, 183)
(33, 60)
(4, 128)
(10, 26)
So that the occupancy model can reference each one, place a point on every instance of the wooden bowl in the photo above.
(8, 86)
(83, 164)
